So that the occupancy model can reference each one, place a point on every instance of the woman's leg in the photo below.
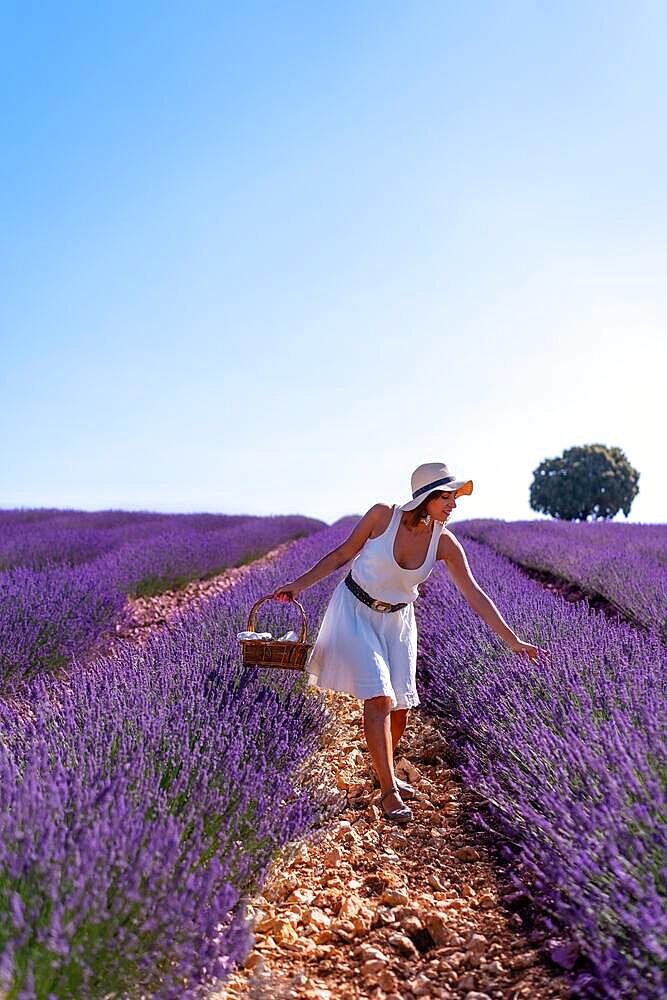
(398, 722)
(377, 730)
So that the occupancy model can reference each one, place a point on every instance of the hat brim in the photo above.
(462, 487)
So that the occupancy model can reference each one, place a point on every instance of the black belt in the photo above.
(367, 599)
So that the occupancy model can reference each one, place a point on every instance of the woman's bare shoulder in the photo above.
(373, 523)
(383, 508)
(379, 516)
(447, 544)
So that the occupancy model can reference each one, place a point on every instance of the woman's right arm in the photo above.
(338, 557)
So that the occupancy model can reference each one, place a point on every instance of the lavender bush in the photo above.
(570, 755)
(49, 614)
(141, 800)
(48, 617)
(625, 563)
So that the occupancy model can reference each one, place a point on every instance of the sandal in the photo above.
(407, 791)
(401, 815)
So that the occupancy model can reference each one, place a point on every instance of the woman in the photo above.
(367, 642)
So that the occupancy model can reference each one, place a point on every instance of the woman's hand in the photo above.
(289, 592)
(527, 648)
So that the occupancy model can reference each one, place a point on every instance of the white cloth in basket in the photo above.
(290, 636)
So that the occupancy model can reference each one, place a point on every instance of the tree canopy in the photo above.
(588, 480)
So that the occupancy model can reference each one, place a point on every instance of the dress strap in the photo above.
(435, 538)
(395, 521)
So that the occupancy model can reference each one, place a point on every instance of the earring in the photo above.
(426, 520)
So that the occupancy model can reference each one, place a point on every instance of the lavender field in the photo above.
(67, 574)
(571, 755)
(144, 797)
(624, 563)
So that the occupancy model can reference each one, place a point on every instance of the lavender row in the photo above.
(625, 563)
(143, 799)
(171, 558)
(570, 755)
(49, 615)
(37, 539)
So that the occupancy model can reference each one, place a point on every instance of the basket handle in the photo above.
(304, 624)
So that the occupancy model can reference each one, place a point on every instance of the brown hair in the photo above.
(414, 516)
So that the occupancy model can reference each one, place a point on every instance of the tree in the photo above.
(586, 480)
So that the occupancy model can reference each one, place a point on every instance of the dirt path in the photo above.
(370, 909)
(573, 593)
(145, 614)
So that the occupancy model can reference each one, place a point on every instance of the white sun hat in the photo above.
(433, 476)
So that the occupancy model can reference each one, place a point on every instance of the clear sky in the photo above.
(269, 257)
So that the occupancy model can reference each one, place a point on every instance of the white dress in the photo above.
(365, 652)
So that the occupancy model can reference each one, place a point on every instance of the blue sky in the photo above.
(271, 257)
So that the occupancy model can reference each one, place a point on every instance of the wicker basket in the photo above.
(274, 652)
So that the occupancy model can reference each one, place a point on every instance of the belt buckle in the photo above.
(381, 606)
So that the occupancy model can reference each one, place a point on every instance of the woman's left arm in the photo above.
(450, 551)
